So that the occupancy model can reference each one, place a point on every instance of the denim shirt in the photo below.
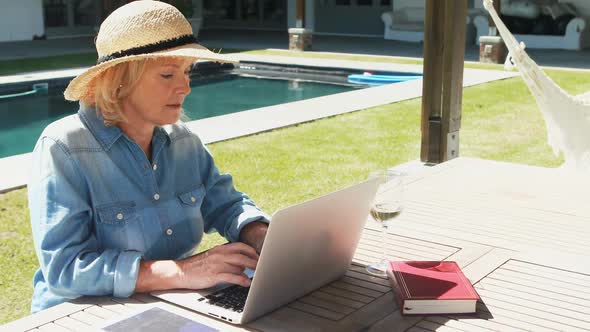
(98, 206)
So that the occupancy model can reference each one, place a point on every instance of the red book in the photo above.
(424, 287)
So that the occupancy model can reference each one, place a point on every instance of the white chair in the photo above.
(576, 35)
(407, 24)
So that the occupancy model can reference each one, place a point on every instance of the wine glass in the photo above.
(387, 205)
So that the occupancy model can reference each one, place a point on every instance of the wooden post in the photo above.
(300, 38)
(300, 14)
(442, 89)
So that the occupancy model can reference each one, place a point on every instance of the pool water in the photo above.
(240, 93)
(24, 118)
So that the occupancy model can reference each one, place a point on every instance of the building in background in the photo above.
(31, 19)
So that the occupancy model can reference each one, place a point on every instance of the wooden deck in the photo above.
(519, 233)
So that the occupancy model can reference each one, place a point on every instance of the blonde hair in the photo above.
(108, 90)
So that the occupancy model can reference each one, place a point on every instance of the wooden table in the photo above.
(520, 233)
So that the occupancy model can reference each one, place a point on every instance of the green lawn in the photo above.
(500, 122)
(11, 67)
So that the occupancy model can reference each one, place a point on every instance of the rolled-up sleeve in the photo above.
(61, 220)
(224, 208)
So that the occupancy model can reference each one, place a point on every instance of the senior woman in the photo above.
(121, 192)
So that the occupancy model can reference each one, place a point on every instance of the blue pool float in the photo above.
(380, 79)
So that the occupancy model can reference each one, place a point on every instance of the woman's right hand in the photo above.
(224, 263)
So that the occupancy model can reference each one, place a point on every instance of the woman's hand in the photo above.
(224, 263)
(253, 234)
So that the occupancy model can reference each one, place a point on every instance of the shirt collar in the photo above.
(93, 119)
(163, 133)
(107, 136)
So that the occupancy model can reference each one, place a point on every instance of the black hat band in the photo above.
(150, 48)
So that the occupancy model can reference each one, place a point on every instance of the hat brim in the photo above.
(79, 85)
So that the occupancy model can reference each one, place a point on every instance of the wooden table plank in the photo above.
(417, 329)
(338, 299)
(72, 324)
(561, 303)
(346, 294)
(576, 278)
(317, 310)
(51, 327)
(500, 323)
(102, 313)
(44, 317)
(86, 318)
(356, 289)
(467, 324)
(395, 322)
(549, 295)
(432, 326)
(502, 310)
(108, 304)
(555, 285)
(372, 237)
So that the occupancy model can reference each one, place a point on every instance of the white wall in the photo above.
(21, 20)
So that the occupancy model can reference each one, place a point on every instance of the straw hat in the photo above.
(139, 30)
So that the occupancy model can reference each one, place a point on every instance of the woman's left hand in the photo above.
(253, 235)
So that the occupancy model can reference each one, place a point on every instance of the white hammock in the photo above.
(567, 117)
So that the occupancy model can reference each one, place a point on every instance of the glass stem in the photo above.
(383, 243)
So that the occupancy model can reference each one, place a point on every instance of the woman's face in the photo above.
(157, 97)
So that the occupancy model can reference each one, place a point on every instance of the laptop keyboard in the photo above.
(232, 298)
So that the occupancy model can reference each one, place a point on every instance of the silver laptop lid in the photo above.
(308, 245)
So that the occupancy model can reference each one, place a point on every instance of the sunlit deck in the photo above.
(519, 233)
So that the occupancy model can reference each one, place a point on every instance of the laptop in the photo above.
(307, 245)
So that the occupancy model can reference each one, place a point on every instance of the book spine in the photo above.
(395, 288)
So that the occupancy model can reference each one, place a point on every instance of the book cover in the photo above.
(432, 287)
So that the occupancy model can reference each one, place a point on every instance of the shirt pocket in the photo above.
(189, 220)
(193, 197)
(119, 227)
(120, 213)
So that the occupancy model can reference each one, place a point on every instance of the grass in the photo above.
(11, 67)
(500, 121)
(364, 58)
(17, 257)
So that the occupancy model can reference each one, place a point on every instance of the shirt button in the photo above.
(119, 216)
(156, 197)
(155, 167)
(193, 199)
(169, 231)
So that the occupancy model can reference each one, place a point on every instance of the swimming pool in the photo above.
(215, 92)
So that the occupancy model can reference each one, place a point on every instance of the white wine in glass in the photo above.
(387, 205)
